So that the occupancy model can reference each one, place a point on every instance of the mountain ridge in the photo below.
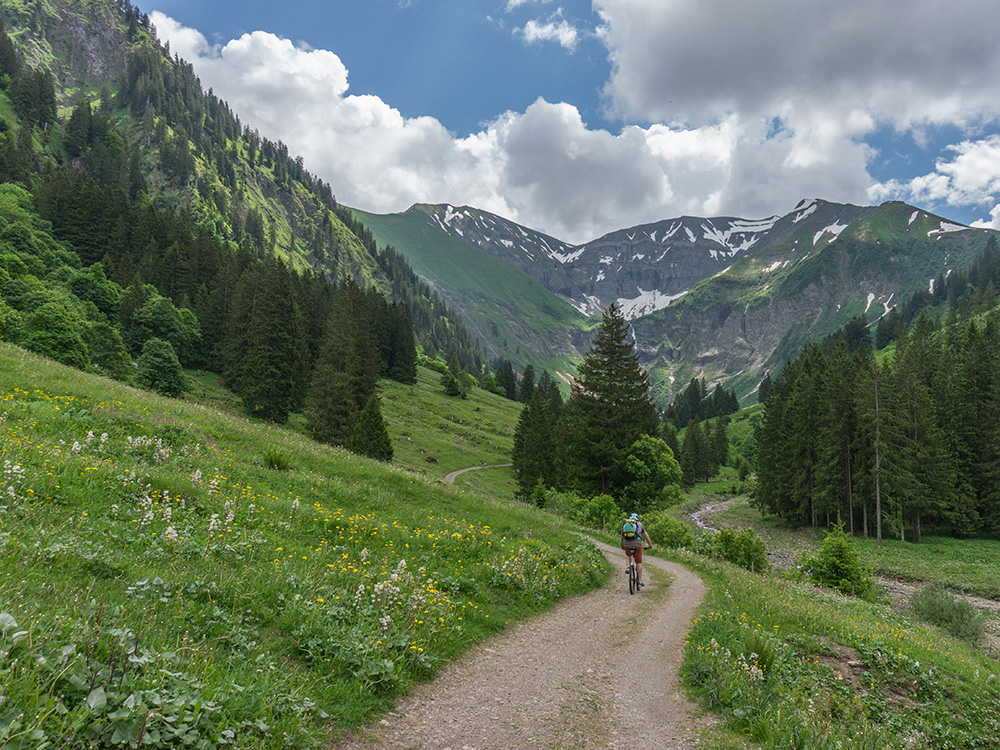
(792, 278)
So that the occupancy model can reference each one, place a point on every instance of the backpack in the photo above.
(630, 531)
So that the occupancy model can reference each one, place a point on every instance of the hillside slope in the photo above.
(744, 322)
(188, 578)
(188, 152)
(513, 314)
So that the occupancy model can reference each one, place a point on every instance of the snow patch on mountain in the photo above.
(805, 208)
(589, 305)
(946, 226)
(568, 257)
(739, 236)
(835, 229)
(646, 303)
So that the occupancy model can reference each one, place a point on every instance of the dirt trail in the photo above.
(450, 478)
(564, 679)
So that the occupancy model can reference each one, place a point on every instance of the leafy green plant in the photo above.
(935, 604)
(278, 459)
(667, 531)
(743, 548)
(836, 564)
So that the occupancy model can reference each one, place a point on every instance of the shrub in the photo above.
(598, 511)
(741, 548)
(54, 331)
(278, 459)
(936, 605)
(837, 565)
(666, 531)
(159, 368)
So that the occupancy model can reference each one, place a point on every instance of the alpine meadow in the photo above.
(272, 463)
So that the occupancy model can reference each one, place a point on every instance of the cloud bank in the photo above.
(739, 109)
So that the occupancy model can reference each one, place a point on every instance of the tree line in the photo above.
(888, 444)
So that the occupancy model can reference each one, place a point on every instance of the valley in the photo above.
(283, 473)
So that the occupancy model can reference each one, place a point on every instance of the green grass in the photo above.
(186, 577)
(968, 565)
(789, 665)
(424, 424)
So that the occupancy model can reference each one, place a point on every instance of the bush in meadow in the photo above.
(938, 606)
(159, 368)
(53, 331)
(666, 531)
(836, 564)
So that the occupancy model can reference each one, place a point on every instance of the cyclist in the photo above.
(636, 533)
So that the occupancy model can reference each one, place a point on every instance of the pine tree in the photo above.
(370, 436)
(527, 386)
(346, 370)
(535, 453)
(507, 379)
(838, 436)
(159, 368)
(609, 408)
(265, 353)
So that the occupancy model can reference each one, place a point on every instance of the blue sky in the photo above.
(579, 118)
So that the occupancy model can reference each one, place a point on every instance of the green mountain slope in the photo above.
(516, 316)
(187, 151)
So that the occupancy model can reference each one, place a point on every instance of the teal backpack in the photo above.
(630, 531)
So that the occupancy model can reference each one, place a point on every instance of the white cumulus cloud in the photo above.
(970, 177)
(560, 31)
(741, 108)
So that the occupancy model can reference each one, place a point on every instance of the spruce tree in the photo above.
(345, 374)
(526, 387)
(265, 348)
(534, 454)
(370, 436)
(507, 379)
(159, 368)
(609, 408)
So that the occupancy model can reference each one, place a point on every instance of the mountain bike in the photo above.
(633, 573)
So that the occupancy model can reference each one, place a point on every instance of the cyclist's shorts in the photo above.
(636, 550)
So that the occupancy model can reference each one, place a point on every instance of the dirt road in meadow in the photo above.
(450, 478)
(598, 671)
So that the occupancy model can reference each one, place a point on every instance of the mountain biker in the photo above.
(635, 542)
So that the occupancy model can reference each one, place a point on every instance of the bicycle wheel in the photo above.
(633, 582)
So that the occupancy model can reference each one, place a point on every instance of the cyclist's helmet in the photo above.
(634, 517)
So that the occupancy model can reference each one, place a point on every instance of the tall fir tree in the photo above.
(526, 388)
(370, 436)
(346, 370)
(608, 409)
(535, 453)
(265, 353)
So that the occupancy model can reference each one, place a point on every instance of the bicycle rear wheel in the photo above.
(633, 581)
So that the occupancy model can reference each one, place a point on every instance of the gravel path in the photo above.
(564, 679)
(450, 478)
